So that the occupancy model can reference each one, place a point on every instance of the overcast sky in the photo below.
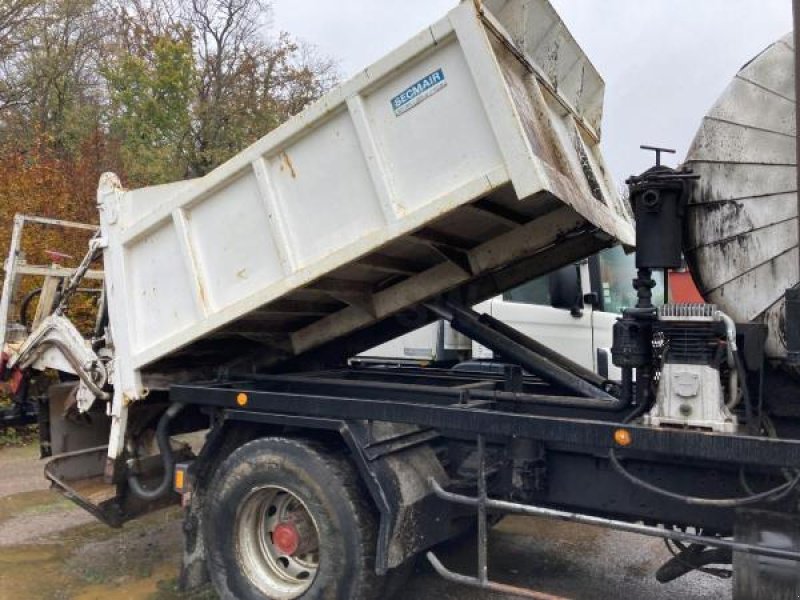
(664, 61)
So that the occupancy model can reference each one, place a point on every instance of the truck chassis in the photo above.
(528, 454)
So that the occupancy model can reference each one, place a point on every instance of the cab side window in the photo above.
(536, 291)
(559, 289)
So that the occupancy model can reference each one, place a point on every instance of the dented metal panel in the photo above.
(742, 226)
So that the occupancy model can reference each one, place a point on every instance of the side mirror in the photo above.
(565, 290)
(592, 299)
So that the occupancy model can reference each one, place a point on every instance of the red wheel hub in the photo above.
(286, 538)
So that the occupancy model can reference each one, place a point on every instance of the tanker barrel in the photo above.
(741, 235)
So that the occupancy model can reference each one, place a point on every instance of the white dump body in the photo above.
(465, 162)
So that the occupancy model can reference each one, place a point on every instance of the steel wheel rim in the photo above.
(275, 573)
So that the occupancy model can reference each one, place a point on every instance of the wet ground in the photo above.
(50, 550)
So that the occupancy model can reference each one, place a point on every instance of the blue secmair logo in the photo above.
(419, 92)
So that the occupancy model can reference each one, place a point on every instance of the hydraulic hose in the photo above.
(772, 495)
(25, 306)
(167, 458)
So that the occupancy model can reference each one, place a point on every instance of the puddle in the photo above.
(31, 503)
(32, 572)
(92, 561)
(128, 587)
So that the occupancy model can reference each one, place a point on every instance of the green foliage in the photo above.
(173, 87)
(151, 92)
(17, 436)
(154, 90)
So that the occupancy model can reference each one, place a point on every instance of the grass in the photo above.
(15, 437)
(168, 590)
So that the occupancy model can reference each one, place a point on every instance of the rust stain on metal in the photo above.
(289, 165)
(201, 291)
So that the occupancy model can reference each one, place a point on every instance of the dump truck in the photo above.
(462, 164)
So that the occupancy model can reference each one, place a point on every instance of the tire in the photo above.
(269, 485)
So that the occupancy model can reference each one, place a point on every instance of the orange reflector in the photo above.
(241, 399)
(623, 437)
(180, 480)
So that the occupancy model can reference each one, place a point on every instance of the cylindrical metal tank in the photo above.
(741, 239)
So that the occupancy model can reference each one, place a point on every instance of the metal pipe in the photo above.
(647, 530)
(464, 322)
(167, 458)
(492, 586)
(483, 530)
(73, 361)
(731, 349)
(523, 340)
(616, 405)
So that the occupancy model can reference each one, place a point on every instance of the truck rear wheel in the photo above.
(287, 519)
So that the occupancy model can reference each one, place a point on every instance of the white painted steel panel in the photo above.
(440, 145)
(160, 286)
(324, 191)
(367, 203)
(234, 248)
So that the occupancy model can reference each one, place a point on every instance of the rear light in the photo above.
(17, 378)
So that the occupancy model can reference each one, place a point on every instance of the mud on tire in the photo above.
(267, 483)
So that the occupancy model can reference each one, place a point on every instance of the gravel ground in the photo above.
(52, 550)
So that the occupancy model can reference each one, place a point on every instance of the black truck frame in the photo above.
(530, 453)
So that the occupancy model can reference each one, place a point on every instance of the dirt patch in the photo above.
(136, 552)
(22, 471)
(39, 524)
(92, 561)
(31, 572)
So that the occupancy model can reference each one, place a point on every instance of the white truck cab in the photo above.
(571, 310)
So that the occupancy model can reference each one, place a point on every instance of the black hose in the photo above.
(645, 399)
(167, 458)
(25, 306)
(769, 496)
(748, 407)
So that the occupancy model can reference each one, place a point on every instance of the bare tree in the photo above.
(58, 59)
(52, 74)
(13, 16)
